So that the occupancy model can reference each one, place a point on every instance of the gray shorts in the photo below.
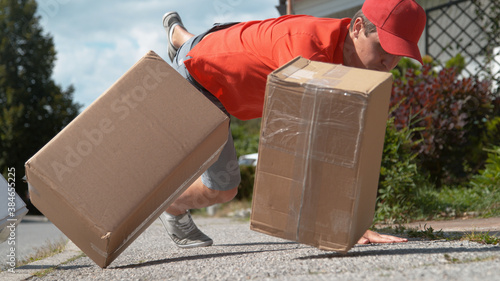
(224, 174)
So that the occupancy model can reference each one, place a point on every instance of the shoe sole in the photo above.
(193, 245)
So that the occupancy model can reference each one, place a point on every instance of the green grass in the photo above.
(51, 269)
(456, 202)
(479, 197)
(481, 202)
(49, 249)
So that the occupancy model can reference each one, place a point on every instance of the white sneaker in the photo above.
(184, 232)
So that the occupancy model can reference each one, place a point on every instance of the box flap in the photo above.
(301, 72)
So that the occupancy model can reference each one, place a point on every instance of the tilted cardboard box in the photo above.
(112, 171)
(320, 151)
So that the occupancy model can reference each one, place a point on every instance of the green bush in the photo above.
(457, 114)
(245, 135)
(399, 176)
(489, 178)
(245, 189)
(246, 141)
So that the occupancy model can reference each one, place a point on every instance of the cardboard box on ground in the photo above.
(320, 150)
(112, 171)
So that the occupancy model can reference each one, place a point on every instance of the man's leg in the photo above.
(220, 182)
(177, 219)
(180, 35)
(177, 34)
(199, 196)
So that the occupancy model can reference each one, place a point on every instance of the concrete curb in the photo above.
(24, 272)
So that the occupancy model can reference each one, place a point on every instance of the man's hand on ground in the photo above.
(374, 237)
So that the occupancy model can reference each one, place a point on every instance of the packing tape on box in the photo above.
(300, 125)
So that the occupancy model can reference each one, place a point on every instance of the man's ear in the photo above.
(358, 26)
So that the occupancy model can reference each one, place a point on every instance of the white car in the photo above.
(248, 160)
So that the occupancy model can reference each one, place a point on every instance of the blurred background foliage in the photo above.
(441, 153)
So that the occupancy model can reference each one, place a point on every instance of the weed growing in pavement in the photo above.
(454, 260)
(46, 271)
(418, 232)
(426, 233)
(50, 249)
(430, 234)
(484, 238)
(450, 259)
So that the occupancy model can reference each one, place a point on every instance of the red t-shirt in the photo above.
(233, 63)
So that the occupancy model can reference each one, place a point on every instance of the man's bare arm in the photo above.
(374, 237)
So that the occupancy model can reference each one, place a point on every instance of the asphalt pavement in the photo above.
(241, 254)
(33, 234)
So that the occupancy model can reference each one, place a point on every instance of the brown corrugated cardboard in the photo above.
(112, 171)
(320, 151)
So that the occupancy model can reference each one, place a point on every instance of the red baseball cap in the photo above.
(399, 23)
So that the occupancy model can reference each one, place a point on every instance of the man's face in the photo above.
(369, 52)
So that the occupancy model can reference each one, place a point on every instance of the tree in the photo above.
(33, 109)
